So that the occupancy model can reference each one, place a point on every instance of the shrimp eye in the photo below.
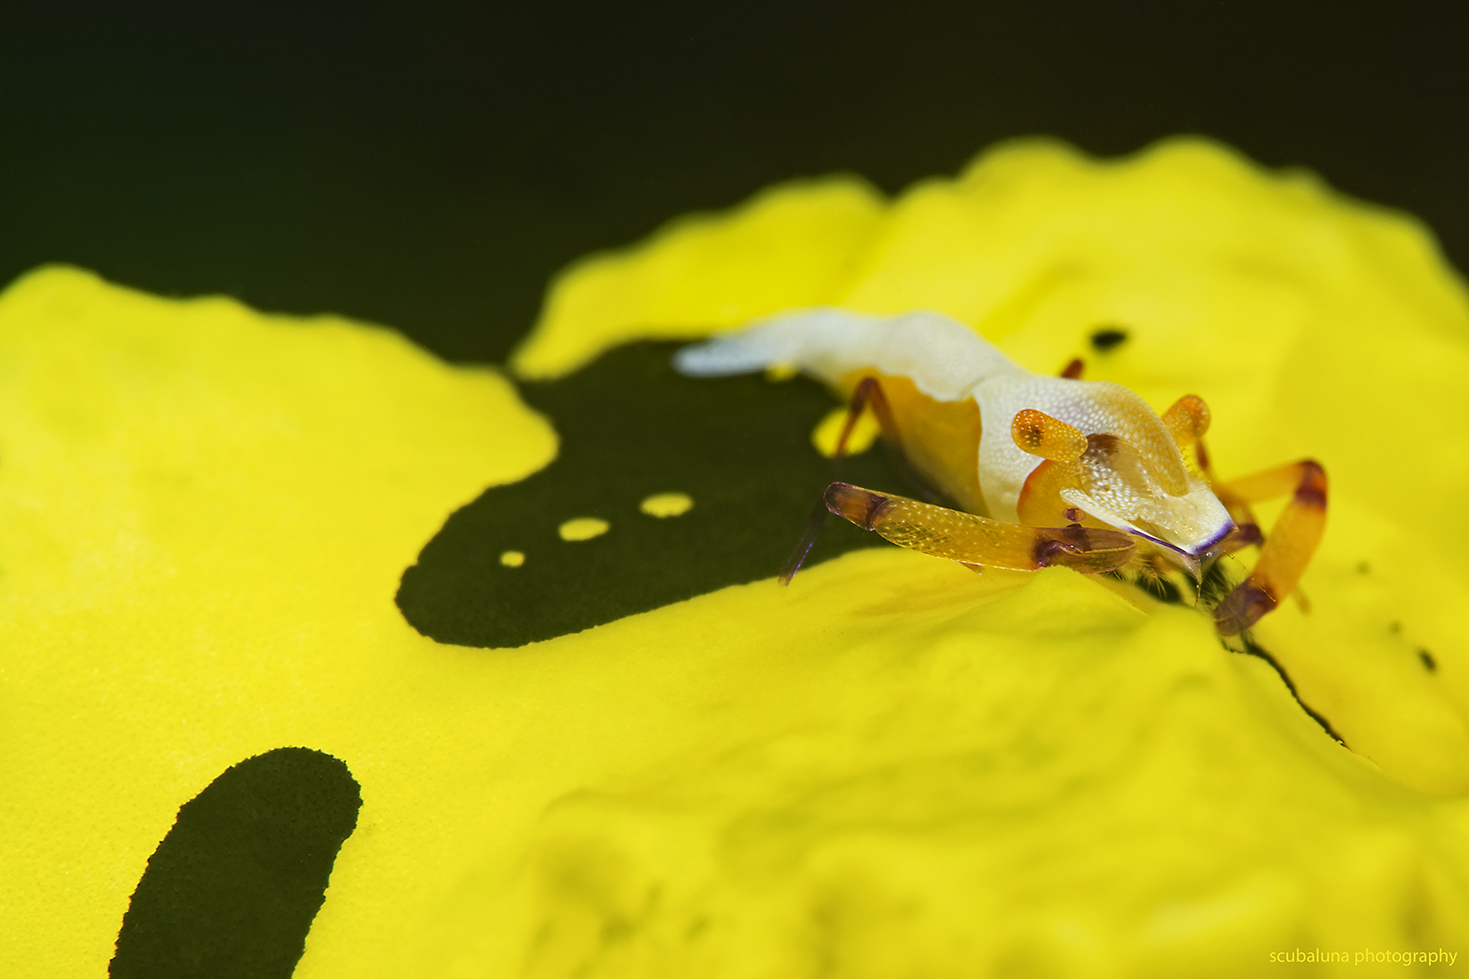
(1187, 420)
(1050, 438)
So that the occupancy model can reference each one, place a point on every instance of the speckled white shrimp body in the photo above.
(949, 362)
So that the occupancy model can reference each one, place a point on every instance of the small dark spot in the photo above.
(1106, 337)
(1364, 568)
(1395, 627)
(1102, 446)
(1429, 663)
(1073, 369)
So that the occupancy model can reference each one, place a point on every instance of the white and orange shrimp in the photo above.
(1044, 470)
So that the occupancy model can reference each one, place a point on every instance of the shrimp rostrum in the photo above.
(1040, 471)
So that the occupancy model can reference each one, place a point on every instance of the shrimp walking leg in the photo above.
(868, 393)
(974, 540)
(1288, 548)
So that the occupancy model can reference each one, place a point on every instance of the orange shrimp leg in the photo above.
(869, 392)
(1288, 549)
(974, 540)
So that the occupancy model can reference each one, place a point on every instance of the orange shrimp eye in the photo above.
(1050, 438)
(1187, 420)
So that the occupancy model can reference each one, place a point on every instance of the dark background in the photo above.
(429, 165)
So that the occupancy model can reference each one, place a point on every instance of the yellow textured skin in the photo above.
(895, 767)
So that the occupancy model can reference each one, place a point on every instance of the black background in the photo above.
(429, 165)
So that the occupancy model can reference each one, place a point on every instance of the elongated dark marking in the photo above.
(1252, 648)
(1107, 337)
(234, 886)
(1073, 370)
(1429, 663)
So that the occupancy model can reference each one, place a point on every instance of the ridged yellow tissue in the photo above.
(894, 767)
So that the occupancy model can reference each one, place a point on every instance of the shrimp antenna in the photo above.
(804, 545)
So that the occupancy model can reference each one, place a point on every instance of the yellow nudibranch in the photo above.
(1043, 470)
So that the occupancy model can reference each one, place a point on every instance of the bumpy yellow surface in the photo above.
(893, 768)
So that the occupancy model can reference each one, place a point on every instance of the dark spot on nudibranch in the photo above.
(235, 885)
(1429, 663)
(1106, 337)
(1364, 568)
